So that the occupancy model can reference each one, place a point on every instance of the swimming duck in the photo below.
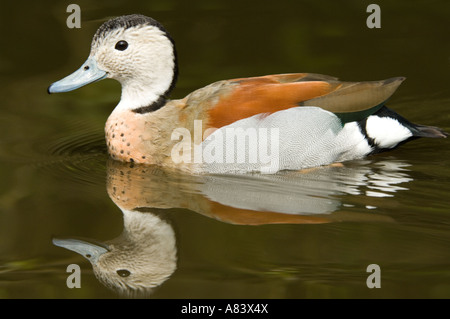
(265, 123)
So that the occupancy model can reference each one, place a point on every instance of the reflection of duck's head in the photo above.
(140, 259)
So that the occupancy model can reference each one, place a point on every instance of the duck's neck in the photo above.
(139, 97)
(149, 91)
(147, 227)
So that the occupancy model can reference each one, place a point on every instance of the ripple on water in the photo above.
(77, 152)
(79, 156)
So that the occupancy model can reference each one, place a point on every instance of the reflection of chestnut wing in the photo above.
(242, 216)
(291, 198)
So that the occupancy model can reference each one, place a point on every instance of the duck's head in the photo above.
(138, 52)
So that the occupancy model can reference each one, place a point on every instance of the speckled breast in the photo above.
(125, 138)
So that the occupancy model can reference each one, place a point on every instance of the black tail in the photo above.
(428, 131)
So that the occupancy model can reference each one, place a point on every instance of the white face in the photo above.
(136, 54)
(141, 57)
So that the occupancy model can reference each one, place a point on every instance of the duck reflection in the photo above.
(145, 254)
(137, 261)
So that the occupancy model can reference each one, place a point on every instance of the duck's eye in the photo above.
(123, 273)
(121, 45)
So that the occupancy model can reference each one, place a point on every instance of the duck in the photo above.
(264, 124)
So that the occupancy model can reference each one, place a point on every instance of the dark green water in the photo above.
(392, 209)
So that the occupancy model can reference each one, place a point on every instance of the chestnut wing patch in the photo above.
(272, 93)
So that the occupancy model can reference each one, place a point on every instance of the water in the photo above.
(292, 235)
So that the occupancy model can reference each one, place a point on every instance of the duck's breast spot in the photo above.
(123, 140)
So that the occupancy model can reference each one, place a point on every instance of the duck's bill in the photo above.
(87, 73)
(91, 251)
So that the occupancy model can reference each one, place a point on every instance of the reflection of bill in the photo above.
(145, 254)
